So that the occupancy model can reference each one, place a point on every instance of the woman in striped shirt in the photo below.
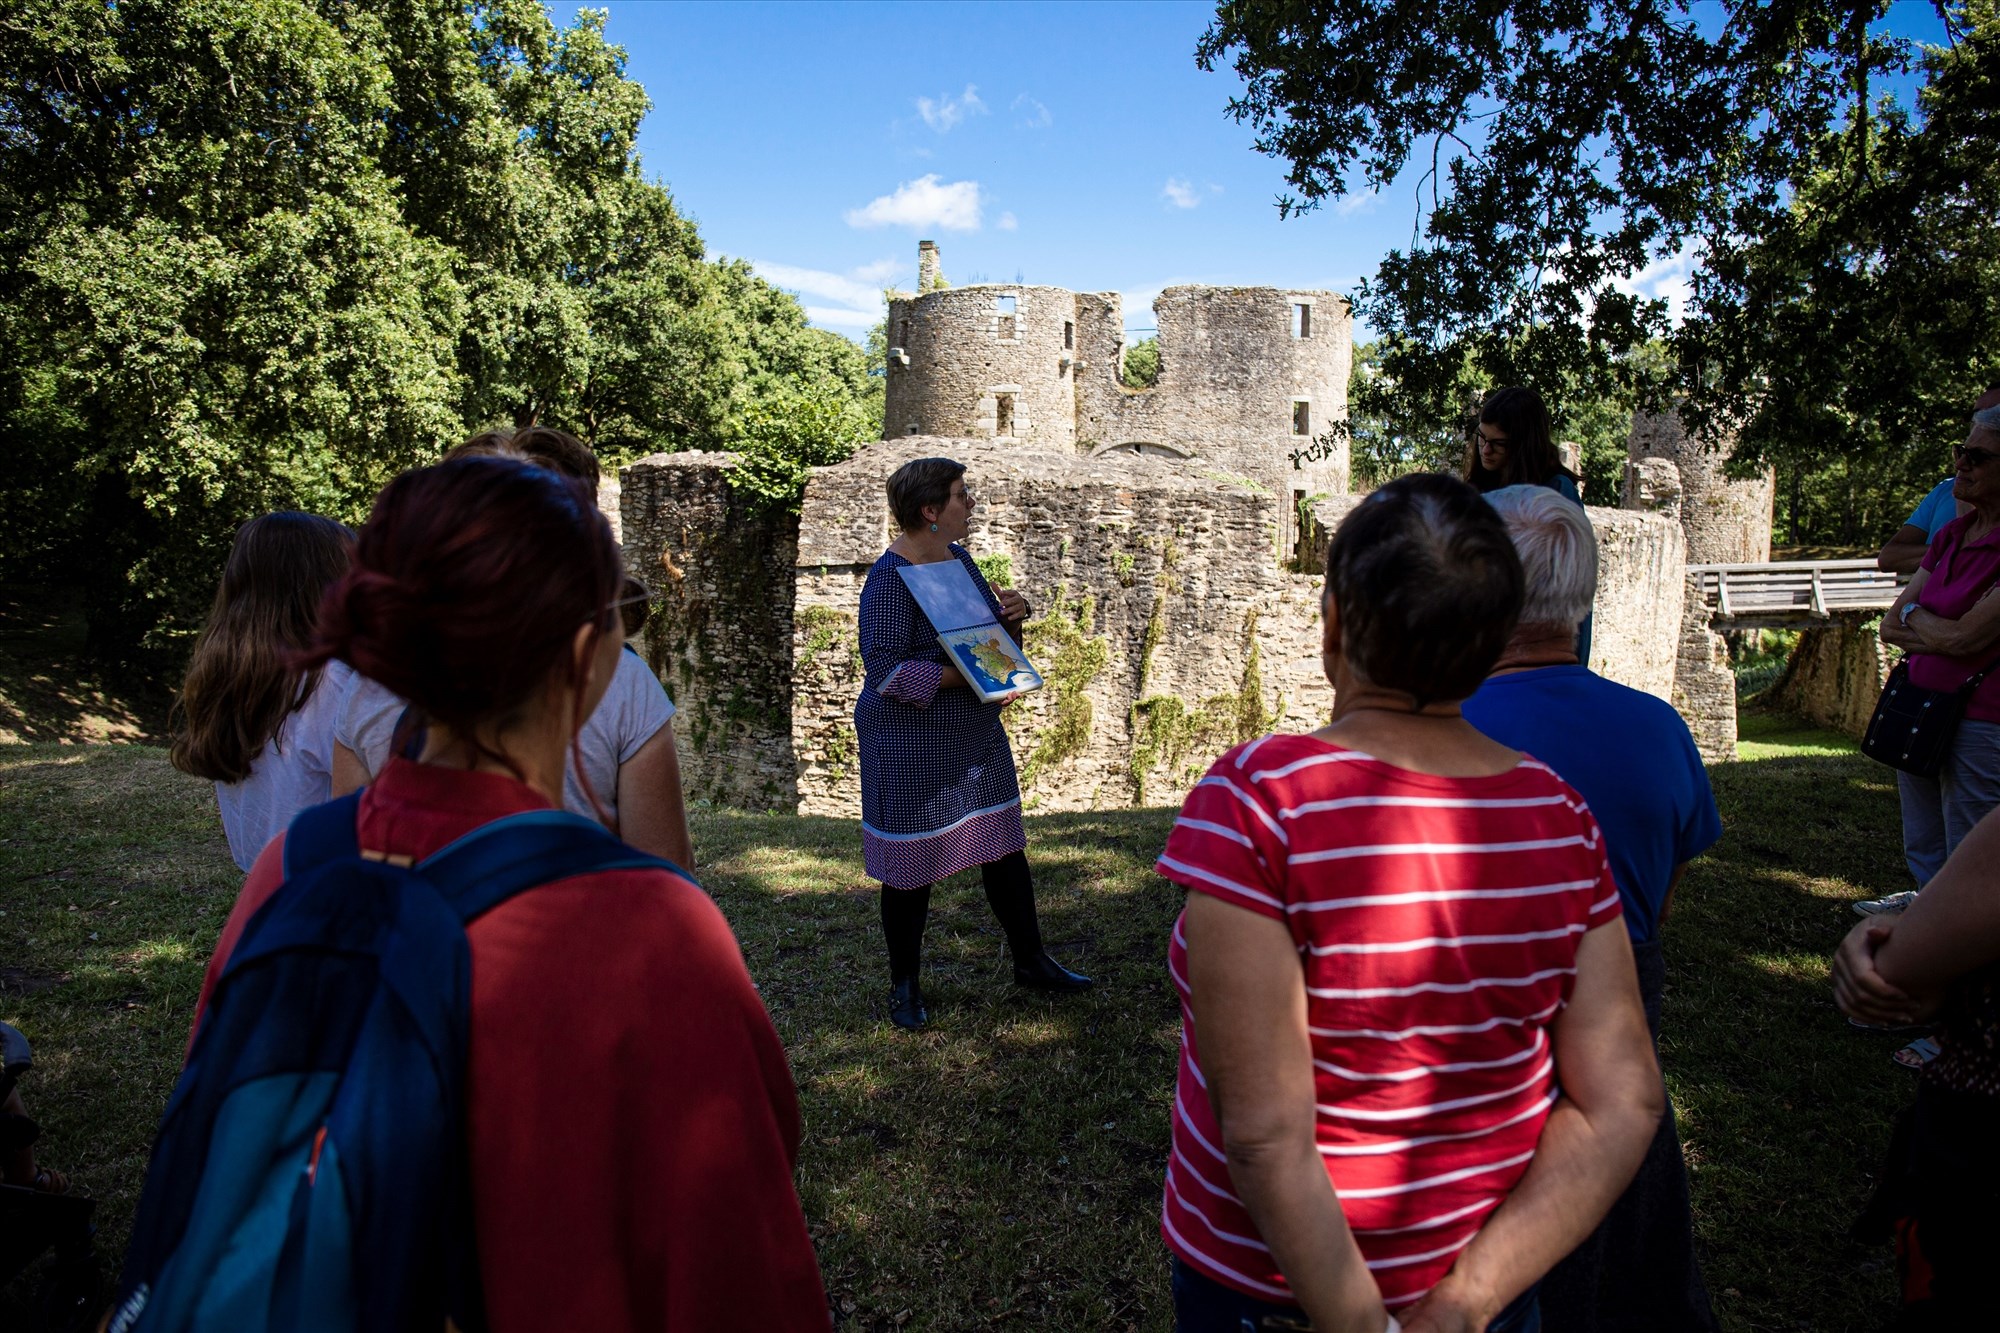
(1422, 1073)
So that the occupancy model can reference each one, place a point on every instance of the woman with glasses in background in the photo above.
(1513, 444)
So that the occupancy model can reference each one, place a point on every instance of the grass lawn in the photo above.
(1003, 1168)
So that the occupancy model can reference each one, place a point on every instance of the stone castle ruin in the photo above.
(1167, 537)
(1249, 376)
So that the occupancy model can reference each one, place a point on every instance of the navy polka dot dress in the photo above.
(938, 787)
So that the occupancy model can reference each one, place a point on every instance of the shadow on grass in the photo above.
(1004, 1166)
(1785, 1108)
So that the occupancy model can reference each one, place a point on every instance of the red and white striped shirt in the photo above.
(1438, 921)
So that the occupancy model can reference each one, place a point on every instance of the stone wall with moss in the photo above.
(720, 637)
(1162, 626)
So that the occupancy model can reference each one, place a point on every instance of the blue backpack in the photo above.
(311, 1170)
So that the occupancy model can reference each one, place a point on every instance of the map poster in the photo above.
(991, 662)
(984, 653)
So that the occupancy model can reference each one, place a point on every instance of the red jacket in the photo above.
(633, 1122)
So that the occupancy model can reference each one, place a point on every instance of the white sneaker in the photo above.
(1895, 902)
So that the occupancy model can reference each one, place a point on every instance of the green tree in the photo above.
(261, 254)
(1142, 364)
(1560, 150)
(1846, 341)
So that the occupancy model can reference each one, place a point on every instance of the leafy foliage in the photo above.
(261, 254)
(1849, 337)
(1845, 308)
(1142, 364)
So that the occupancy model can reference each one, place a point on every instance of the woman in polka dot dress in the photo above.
(939, 793)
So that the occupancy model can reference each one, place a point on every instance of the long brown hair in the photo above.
(1531, 448)
(240, 686)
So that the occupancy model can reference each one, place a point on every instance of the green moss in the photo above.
(840, 751)
(1156, 623)
(1166, 732)
(998, 568)
(1070, 657)
(826, 629)
(1121, 565)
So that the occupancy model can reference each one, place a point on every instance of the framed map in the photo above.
(991, 662)
(984, 653)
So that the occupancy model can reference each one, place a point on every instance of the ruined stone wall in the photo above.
(1727, 522)
(1164, 629)
(1231, 371)
(1641, 576)
(720, 638)
(1641, 564)
(965, 356)
(1704, 686)
(1835, 674)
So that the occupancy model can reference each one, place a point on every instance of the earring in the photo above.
(933, 527)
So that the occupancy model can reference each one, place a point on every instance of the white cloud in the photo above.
(1034, 115)
(923, 203)
(1184, 193)
(1008, 222)
(846, 319)
(1669, 279)
(1354, 205)
(856, 295)
(942, 114)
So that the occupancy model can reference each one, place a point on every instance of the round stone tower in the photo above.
(1728, 522)
(990, 361)
(1253, 380)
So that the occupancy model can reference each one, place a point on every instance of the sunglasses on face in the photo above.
(1972, 457)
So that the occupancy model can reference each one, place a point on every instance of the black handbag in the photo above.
(1913, 727)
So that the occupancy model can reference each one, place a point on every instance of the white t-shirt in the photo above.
(294, 771)
(633, 710)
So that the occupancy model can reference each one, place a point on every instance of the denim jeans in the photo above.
(1938, 812)
(1203, 1305)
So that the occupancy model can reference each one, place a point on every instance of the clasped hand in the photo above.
(1861, 991)
(1013, 606)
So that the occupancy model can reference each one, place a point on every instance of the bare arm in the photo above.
(1975, 632)
(1590, 1147)
(349, 773)
(1904, 551)
(1249, 999)
(1953, 926)
(1667, 902)
(1894, 632)
(651, 814)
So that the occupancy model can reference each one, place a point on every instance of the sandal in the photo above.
(1918, 1053)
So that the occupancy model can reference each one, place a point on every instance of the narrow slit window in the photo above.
(1302, 320)
(1003, 416)
(1003, 307)
(904, 341)
(1069, 336)
(1302, 416)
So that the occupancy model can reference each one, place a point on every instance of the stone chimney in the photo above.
(927, 266)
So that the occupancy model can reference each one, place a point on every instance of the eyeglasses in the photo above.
(1972, 457)
(1491, 441)
(965, 494)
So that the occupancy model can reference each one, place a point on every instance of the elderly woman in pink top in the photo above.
(1949, 624)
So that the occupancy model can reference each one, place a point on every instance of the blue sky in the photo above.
(1070, 144)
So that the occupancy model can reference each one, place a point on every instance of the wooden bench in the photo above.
(1795, 592)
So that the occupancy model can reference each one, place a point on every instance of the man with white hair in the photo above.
(1632, 759)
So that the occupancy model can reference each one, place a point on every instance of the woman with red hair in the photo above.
(630, 1117)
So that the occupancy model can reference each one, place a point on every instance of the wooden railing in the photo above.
(1794, 592)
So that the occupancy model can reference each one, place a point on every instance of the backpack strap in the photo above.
(495, 861)
(322, 833)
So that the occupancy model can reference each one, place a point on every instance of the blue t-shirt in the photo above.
(1937, 509)
(1629, 755)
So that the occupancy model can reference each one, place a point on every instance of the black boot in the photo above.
(1010, 892)
(1045, 973)
(906, 1005)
